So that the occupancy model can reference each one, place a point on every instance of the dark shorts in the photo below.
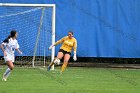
(64, 52)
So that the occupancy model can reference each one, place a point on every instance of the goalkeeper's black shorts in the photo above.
(64, 52)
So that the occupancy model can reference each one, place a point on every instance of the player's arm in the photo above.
(17, 48)
(2, 46)
(58, 42)
(75, 49)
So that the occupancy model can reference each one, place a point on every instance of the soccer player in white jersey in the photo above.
(8, 47)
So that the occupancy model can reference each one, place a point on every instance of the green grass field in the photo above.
(73, 80)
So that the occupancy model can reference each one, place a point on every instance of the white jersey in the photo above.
(10, 45)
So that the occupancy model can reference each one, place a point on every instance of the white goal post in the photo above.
(33, 22)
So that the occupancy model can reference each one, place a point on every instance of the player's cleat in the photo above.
(48, 68)
(4, 79)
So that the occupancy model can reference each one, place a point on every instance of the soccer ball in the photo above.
(57, 61)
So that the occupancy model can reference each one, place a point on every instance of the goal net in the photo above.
(35, 24)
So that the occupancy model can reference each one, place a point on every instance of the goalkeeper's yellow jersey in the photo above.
(67, 44)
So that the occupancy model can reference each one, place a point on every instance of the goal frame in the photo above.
(53, 21)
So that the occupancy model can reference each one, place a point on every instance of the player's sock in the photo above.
(7, 73)
(63, 67)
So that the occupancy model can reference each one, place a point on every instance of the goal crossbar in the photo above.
(37, 5)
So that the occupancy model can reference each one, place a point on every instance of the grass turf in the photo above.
(73, 80)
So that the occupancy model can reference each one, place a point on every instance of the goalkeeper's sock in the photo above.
(7, 73)
(63, 67)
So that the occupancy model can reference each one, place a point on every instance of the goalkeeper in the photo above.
(68, 43)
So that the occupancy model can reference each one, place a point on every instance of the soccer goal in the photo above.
(35, 24)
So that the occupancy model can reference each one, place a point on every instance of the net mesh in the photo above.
(34, 27)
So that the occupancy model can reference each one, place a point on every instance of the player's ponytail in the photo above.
(9, 37)
(12, 34)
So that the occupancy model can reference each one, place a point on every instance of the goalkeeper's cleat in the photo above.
(49, 67)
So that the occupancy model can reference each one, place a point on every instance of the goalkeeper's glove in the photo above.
(50, 47)
(74, 57)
